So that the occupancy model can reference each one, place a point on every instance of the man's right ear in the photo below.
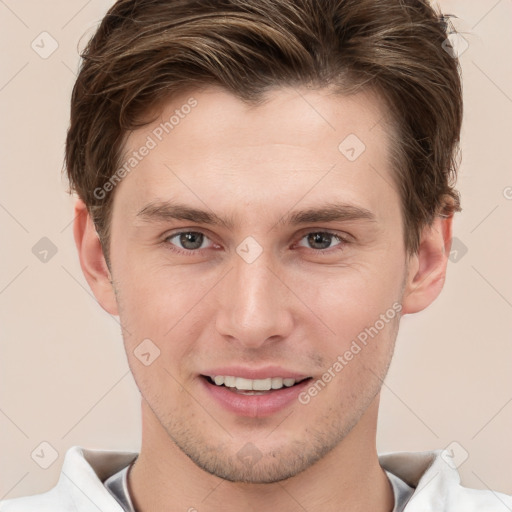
(92, 260)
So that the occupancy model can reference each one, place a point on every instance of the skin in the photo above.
(292, 306)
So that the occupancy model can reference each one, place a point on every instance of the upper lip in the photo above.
(255, 373)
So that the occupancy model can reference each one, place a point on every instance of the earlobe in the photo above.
(92, 260)
(427, 268)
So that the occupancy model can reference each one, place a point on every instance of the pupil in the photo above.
(191, 240)
(324, 239)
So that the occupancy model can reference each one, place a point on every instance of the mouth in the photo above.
(254, 387)
(253, 403)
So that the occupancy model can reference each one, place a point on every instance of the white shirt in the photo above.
(435, 482)
(117, 484)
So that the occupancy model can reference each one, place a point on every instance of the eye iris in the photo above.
(191, 240)
(324, 239)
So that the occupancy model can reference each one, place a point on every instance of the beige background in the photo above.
(64, 375)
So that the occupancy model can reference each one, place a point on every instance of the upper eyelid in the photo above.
(333, 233)
(343, 237)
(303, 232)
(183, 231)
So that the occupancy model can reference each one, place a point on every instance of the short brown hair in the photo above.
(144, 51)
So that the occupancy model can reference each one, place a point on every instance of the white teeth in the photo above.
(262, 384)
(243, 384)
(229, 382)
(252, 384)
(277, 382)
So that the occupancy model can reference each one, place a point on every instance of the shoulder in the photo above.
(437, 485)
(80, 486)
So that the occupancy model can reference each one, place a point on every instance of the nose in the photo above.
(254, 303)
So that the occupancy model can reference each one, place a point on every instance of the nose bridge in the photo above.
(253, 306)
(254, 283)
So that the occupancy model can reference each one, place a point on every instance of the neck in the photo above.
(349, 478)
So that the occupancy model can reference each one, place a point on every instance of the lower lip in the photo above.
(255, 406)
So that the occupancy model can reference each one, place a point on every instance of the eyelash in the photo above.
(192, 252)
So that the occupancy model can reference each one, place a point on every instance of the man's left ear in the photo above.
(427, 268)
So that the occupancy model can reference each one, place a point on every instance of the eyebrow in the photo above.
(166, 211)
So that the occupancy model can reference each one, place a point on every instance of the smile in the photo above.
(245, 397)
(252, 386)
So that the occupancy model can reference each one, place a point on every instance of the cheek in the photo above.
(357, 356)
(361, 307)
(159, 292)
(155, 313)
(170, 307)
(350, 299)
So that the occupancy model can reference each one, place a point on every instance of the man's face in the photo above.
(264, 291)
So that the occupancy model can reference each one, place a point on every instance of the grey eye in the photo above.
(321, 240)
(189, 240)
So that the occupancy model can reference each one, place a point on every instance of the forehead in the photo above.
(214, 150)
